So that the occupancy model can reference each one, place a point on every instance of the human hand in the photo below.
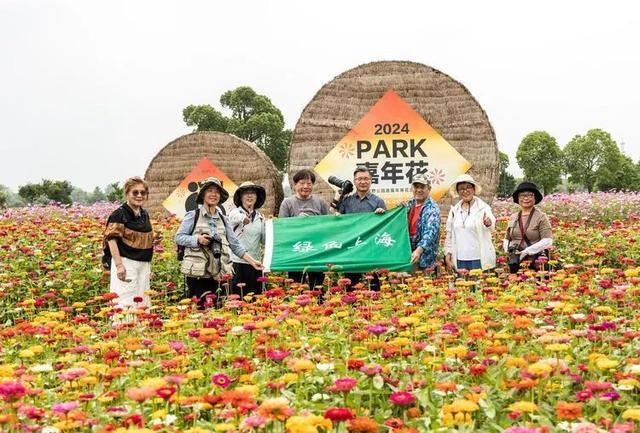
(379, 211)
(524, 253)
(415, 255)
(486, 220)
(448, 262)
(204, 239)
(257, 266)
(121, 272)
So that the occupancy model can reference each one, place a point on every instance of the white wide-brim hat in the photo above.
(464, 178)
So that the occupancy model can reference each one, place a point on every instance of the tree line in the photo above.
(59, 191)
(591, 162)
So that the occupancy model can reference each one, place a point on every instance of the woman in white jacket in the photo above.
(469, 243)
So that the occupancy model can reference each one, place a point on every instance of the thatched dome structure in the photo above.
(442, 101)
(240, 160)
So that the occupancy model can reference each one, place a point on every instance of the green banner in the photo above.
(350, 243)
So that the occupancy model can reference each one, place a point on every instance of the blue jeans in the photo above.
(468, 264)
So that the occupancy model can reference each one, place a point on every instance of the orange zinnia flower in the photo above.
(362, 425)
(568, 411)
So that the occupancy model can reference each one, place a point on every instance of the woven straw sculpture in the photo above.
(442, 101)
(239, 159)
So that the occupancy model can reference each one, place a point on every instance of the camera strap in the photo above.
(523, 229)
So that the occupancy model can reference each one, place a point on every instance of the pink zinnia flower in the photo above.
(344, 384)
(376, 329)
(12, 391)
(63, 408)
(277, 354)
(255, 421)
(402, 398)
(221, 380)
(584, 395)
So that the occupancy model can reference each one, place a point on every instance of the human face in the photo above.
(137, 195)
(466, 191)
(526, 199)
(249, 199)
(420, 191)
(362, 181)
(211, 196)
(303, 188)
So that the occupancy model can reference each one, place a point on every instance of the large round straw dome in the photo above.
(442, 101)
(240, 160)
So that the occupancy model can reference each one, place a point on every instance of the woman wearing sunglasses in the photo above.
(128, 239)
(528, 235)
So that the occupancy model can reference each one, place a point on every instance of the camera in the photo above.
(216, 245)
(346, 186)
(514, 255)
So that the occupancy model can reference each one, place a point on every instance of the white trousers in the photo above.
(138, 273)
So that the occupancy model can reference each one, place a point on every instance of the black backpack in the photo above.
(180, 248)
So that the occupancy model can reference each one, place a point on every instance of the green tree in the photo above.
(114, 192)
(253, 118)
(507, 182)
(618, 172)
(584, 156)
(47, 190)
(11, 199)
(4, 197)
(540, 158)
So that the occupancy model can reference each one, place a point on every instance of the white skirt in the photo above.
(138, 274)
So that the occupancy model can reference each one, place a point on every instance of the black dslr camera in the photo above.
(346, 186)
(215, 245)
(514, 255)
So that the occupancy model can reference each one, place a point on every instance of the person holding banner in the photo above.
(304, 203)
(469, 244)
(208, 238)
(248, 225)
(363, 200)
(424, 224)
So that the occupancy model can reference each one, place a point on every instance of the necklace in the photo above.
(464, 218)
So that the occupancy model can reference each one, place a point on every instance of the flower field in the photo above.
(554, 351)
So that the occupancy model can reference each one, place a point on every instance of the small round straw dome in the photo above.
(237, 158)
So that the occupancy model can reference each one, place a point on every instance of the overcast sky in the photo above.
(90, 91)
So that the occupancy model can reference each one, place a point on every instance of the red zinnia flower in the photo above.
(338, 414)
(165, 392)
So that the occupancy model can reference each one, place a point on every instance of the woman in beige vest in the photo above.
(208, 239)
(528, 234)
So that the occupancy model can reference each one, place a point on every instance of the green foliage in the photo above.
(11, 199)
(46, 191)
(619, 173)
(80, 196)
(540, 158)
(114, 192)
(507, 182)
(591, 159)
(253, 118)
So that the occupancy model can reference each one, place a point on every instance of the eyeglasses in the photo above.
(526, 194)
(137, 192)
(362, 179)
